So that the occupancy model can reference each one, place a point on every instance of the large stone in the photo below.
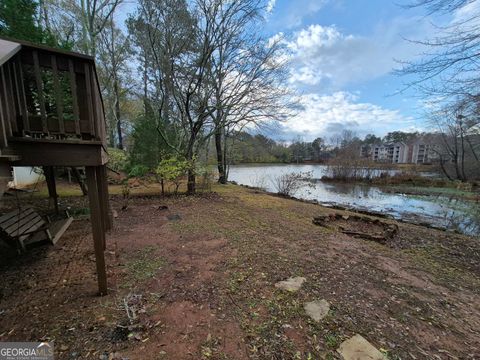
(317, 309)
(357, 348)
(291, 284)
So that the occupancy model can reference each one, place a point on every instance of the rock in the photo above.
(357, 348)
(291, 284)
(317, 309)
(174, 217)
(162, 207)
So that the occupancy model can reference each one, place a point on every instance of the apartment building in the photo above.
(417, 152)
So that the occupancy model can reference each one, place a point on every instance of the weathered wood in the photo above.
(97, 228)
(58, 96)
(91, 113)
(41, 96)
(9, 112)
(3, 113)
(49, 172)
(73, 89)
(58, 228)
(12, 108)
(14, 216)
(18, 225)
(20, 92)
(103, 189)
(43, 152)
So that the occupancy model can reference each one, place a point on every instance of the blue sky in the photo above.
(343, 55)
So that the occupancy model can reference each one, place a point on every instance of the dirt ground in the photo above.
(196, 281)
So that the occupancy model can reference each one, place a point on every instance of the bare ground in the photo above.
(200, 285)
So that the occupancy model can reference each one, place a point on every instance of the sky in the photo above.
(343, 54)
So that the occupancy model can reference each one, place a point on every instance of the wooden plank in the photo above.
(9, 109)
(73, 88)
(4, 113)
(41, 96)
(11, 100)
(20, 223)
(17, 221)
(20, 90)
(58, 228)
(91, 112)
(8, 216)
(8, 219)
(97, 228)
(58, 96)
(29, 228)
(38, 153)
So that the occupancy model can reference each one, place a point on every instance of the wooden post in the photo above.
(103, 188)
(97, 227)
(103, 201)
(52, 187)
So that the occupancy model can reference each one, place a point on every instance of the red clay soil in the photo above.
(196, 281)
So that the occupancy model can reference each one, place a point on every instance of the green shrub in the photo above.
(172, 169)
(118, 160)
(138, 171)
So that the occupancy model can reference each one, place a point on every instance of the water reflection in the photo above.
(440, 211)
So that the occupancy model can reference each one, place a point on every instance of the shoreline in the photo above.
(358, 210)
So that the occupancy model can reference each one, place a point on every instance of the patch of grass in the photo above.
(144, 265)
(435, 260)
(331, 340)
(79, 211)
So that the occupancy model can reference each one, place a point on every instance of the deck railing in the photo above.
(50, 95)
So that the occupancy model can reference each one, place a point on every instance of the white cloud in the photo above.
(271, 5)
(324, 55)
(325, 115)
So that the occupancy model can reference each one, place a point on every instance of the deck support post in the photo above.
(49, 173)
(101, 172)
(97, 226)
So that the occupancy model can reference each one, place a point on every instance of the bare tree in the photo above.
(247, 73)
(449, 67)
(458, 145)
(79, 20)
(113, 54)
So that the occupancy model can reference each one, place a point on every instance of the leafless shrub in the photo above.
(288, 184)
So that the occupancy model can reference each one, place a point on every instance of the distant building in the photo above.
(417, 152)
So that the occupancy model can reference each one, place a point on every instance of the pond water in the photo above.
(440, 211)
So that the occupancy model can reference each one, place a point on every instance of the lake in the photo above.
(440, 211)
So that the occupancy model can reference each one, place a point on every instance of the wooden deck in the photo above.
(51, 114)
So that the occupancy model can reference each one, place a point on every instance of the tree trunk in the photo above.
(191, 182)
(222, 179)
(118, 115)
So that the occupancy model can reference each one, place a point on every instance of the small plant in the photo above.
(117, 159)
(173, 170)
(125, 195)
(289, 184)
(138, 171)
(331, 340)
